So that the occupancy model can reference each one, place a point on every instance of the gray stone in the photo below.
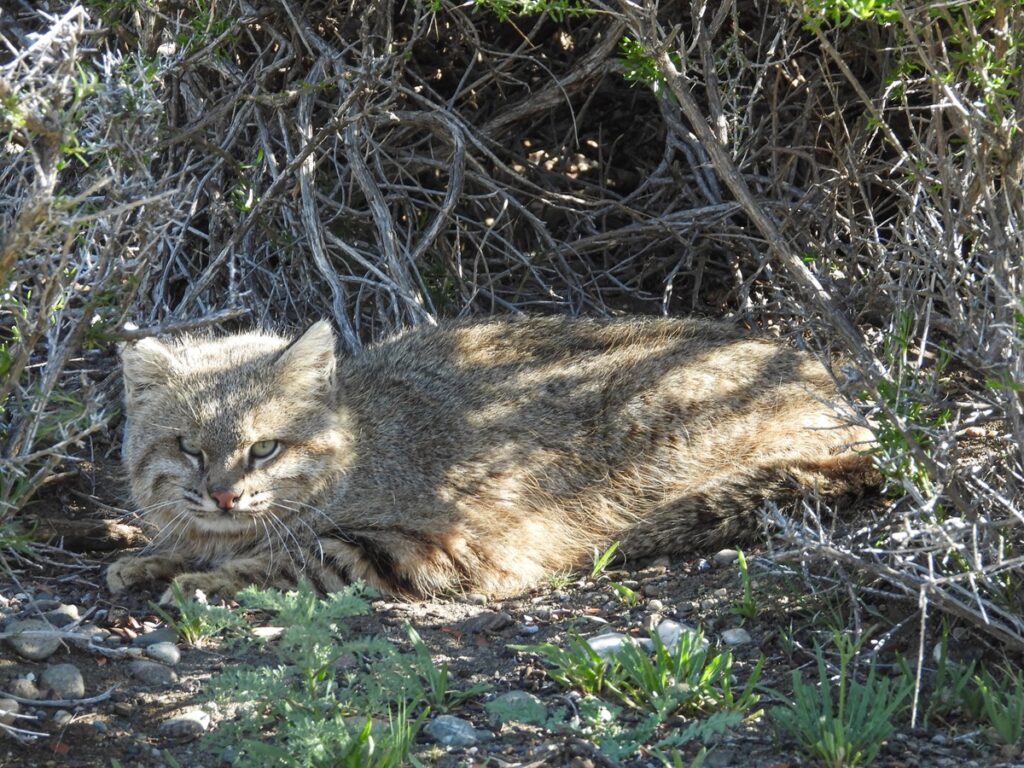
(737, 636)
(187, 725)
(655, 605)
(151, 673)
(453, 731)
(671, 632)
(604, 645)
(93, 635)
(62, 717)
(8, 709)
(63, 615)
(475, 598)
(725, 557)
(25, 688)
(35, 646)
(654, 590)
(64, 681)
(167, 653)
(162, 635)
(488, 621)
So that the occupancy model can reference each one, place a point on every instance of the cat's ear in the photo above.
(309, 361)
(146, 363)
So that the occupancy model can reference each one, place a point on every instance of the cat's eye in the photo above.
(190, 446)
(264, 449)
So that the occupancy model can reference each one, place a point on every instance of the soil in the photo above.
(473, 637)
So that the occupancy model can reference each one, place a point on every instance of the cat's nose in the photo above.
(225, 497)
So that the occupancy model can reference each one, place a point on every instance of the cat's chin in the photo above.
(222, 524)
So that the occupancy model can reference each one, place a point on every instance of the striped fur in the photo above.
(472, 456)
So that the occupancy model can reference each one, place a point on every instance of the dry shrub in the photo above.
(853, 182)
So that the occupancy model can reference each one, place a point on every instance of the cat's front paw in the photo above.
(131, 570)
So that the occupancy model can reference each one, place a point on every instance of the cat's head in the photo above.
(224, 435)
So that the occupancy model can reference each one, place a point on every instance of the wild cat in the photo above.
(476, 456)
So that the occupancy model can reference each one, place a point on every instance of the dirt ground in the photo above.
(127, 725)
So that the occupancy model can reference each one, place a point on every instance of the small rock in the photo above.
(737, 636)
(62, 717)
(167, 653)
(655, 606)
(488, 621)
(608, 643)
(93, 635)
(25, 688)
(529, 629)
(708, 604)
(151, 673)
(654, 590)
(8, 709)
(475, 598)
(671, 632)
(100, 725)
(112, 641)
(650, 622)
(703, 565)
(162, 635)
(124, 709)
(725, 557)
(35, 647)
(63, 615)
(453, 731)
(187, 725)
(660, 562)
(64, 681)
(721, 593)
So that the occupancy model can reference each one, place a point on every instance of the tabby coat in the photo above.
(471, 456)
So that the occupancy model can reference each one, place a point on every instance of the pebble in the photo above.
(35, 647)
(188, 725)
(737, 636)
(64, 681)
(25, 688)
(650, 622)
(8, 709)
(529, 629)
(606, 644)
(151, 673)
(124, 709)
(100, 725)
(488, 621)
(62, 717)
(703, 565)
(452, 731)
(671, 632)
(725, 557)
(167, 653)
(162, 635)
(654, 590)
(655, 605)
(475, 598)
(63, 615)
(93, 634)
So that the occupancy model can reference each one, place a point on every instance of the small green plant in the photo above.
(843, 726)
(1002, 701)
(561, 579)
(628, 597)
(437, 693)
(602, 560)
(686, 679)
(746, 607)
(330, 699)
(196, 621)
